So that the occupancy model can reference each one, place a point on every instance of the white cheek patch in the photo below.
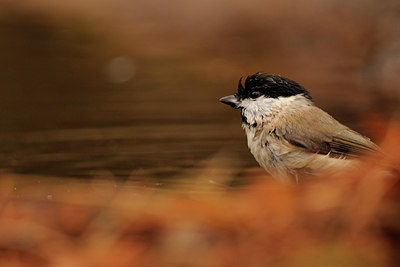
(255, 109)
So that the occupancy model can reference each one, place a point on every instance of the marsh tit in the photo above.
(287, 134)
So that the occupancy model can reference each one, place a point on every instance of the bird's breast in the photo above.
(265, 145)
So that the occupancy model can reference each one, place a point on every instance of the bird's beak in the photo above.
(230, 100)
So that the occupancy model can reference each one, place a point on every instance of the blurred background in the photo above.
(103, 102)
(130, 88)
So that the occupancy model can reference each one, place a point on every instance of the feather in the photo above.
(316, 131)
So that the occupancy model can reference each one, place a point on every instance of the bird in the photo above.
(288, 135)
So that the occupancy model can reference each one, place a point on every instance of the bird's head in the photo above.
(262, 86)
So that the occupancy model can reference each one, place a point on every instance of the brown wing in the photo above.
(317, 132)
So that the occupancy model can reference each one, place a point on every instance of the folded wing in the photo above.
(316, 131)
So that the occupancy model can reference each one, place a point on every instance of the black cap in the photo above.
(269, 85)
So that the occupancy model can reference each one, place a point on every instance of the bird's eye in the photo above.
(255, 94)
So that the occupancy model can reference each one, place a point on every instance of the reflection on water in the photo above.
(161, 150)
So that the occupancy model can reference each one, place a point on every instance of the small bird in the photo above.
(287, 134)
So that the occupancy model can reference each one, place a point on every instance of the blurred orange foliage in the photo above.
(341, 220)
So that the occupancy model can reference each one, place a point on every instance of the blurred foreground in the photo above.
(351, 219)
